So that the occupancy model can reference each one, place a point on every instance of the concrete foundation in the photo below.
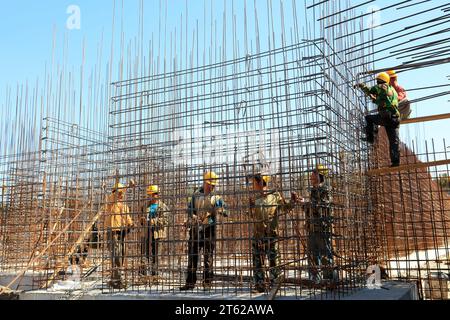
(391, 291)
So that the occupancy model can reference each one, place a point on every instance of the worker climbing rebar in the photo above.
(386, 98)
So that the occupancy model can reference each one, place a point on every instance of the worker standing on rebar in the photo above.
(264, 209)
(404, 106)
(155, 225)
(203, 207)
(386, 98)
(118, 224)
(319, 225)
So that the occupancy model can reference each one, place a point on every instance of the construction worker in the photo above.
(203, 207)
(404, 106)
(118, 223)
(386, 98)
(155, 225)
(264, 209)
(319, 220)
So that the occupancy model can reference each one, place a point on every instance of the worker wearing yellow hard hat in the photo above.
(319, 227)
(386, 98)
(266, 206)
(155, 221)
(404, 106)
(384, 77)
(211, 178)
(118, 187)
(118, 223)
(322, 169)
(152, 190)
(203, 208)
(260, 179)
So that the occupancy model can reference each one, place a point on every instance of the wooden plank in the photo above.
(72, 250)
(275, 288)
(426, 119)
(24, 270)
(407, 167)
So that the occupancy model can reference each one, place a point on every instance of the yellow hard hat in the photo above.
(119, 187)
(384, 76)
(322, 169)
(152, 190)
(392, 73)
(260, 177)
(211, 178)
(266, 179)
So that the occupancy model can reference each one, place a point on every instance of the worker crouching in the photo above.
(404, 106)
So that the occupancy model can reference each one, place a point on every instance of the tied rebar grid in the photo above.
(284, 110)
(411, 218)
(288, 108)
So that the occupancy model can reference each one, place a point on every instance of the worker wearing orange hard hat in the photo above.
(404, 106)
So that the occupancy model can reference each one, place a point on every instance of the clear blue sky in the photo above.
(27, 29)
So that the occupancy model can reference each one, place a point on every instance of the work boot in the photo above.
(207, 286)
(116, 284)
(370, 140)
(259, 288)
(187, 286)
(276, 281)
(154, 279)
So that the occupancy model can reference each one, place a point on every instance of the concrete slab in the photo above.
(391, 290)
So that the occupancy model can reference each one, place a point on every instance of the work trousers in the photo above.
(262, 247)
(319, 224)
(116, 245)
(320, 255)
(149, 249)
(201, 237)
(392, 124)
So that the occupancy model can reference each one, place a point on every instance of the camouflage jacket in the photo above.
(265, 211)
(203, 209)
(319, 212)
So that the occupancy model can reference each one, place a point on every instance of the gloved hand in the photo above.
(295, 198)
(219, 203)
